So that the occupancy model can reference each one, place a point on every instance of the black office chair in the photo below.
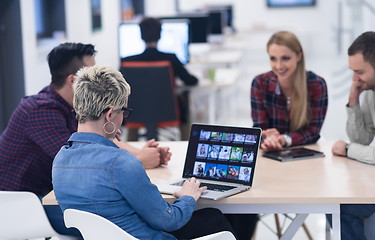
(153, 98)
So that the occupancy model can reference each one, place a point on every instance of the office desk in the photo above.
(306, 186)
(213, 55)
(210, 96)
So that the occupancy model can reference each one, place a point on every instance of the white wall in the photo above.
(369, 16)
(249, 15)
(160, 7)
(78, 29)
(255, 15)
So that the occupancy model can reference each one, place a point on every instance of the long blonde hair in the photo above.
(299, 109)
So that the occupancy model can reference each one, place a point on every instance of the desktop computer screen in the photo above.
(217, 20)
(199, 25)
(221, 17)
(174, 38)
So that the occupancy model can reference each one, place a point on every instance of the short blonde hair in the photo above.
(96, 89)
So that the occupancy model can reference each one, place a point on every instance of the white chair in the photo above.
(93, 227)
(22, 217)
(224, 235)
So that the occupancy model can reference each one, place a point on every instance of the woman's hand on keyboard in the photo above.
(190, 188)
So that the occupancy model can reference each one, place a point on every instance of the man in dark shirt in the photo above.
(150, 33)
(43, 123)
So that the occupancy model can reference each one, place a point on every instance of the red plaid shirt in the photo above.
(38, 128)
(269, 107)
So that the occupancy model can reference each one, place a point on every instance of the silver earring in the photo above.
(114, 128)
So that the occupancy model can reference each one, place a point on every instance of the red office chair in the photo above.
(153, 97)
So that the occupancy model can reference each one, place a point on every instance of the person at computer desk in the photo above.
(360, 128)
(42, 123)
(93, 174)
(150, 33)
(288, 103)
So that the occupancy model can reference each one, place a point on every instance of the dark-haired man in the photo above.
(150, 33)
(42, 124)
(360, 128)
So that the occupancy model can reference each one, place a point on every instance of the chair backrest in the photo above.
(93, 227)
(22, 216)
(153, 97)
(224, 235)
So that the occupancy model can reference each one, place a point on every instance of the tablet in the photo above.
(291, 154)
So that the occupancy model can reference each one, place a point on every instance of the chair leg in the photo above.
(278, 228)
(307, 231)
(304, 226)
(255, 230)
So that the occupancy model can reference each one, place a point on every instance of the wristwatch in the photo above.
(288, 140)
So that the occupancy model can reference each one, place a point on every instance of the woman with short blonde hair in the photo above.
(93, 174)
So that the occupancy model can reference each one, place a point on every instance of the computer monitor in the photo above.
(221, 17)
(174, 38)
(199, 25)
(217, 22)
(229, 16)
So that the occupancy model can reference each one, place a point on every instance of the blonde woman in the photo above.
(288, 103)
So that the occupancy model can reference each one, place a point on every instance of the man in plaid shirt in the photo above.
(43, 123)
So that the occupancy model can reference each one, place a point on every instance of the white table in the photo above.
(207, 54)
(303, 187)
(211, 98)
(317, 185)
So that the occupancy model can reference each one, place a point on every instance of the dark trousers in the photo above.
(243, 225)
(203, 222)
(56, 218)
(352, 220)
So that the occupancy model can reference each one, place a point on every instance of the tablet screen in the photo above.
(293, 154)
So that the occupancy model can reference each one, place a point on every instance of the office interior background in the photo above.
(325, 30)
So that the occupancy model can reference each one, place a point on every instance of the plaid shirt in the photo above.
(269, 107)
(38, 128)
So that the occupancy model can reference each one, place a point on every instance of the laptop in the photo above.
(291, 154)
(223, 158)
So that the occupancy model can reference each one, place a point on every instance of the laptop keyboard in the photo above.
(210, 186)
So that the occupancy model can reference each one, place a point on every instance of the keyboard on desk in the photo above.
(210, 186)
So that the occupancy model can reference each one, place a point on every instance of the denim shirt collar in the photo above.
(82, 137)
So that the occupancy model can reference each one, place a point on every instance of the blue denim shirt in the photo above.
(94, 175)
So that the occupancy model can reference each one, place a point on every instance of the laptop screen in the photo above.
(222, 153)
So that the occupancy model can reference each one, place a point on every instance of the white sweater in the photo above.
(360, 128)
